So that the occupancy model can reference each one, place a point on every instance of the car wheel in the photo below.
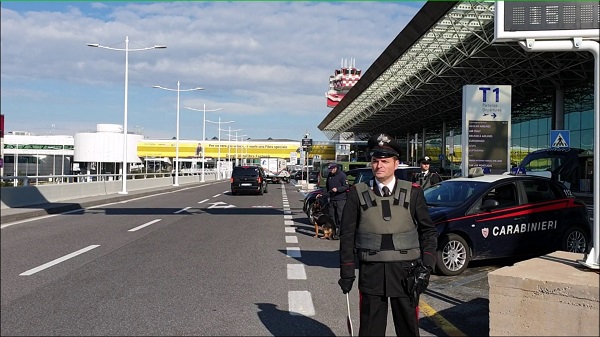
(452, 255)
(309, 213)
(575, 240)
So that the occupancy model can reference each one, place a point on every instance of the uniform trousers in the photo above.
(374, 314)
(336, 208)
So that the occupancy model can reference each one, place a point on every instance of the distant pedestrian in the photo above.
(426, 177)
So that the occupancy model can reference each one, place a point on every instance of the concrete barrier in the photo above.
(34, 195)
(552, 295)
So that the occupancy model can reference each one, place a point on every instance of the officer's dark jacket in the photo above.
(337, 180)
(384, 278)
(431, 178)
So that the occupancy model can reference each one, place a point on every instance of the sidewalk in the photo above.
(32, 211)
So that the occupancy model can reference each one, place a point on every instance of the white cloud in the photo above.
(255, 58)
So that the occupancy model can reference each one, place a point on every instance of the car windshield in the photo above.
(245, 171)
(452, 192)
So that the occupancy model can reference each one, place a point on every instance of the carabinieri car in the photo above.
(499, 216)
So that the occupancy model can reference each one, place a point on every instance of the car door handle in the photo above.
(520, 218)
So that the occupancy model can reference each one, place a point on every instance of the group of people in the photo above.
(385, 225)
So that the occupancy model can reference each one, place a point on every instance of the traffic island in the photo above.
(552, 295)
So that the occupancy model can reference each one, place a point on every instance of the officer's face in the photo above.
(383, 168)
(424, 166)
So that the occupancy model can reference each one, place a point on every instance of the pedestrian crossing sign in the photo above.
(560, 139)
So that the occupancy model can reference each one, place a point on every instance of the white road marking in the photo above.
(300, 303)
(291, 239)
(263, 206)
(219, 204)
(290, 230)
(144, 225)
(216, 195)
(288, 222)
(293, 252)
(98, 206)
(201, 201)
(287, 212)
(57, 261)
(287, 216)
(181, 210)
(296, 271)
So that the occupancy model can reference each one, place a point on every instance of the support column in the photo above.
(559, 109)
(423, 143)
(443, 149)
(408, 154)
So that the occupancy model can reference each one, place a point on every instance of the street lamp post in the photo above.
(229, 143)
(176, 183)
(203, 132)
(236, 147)
(126, 50)
(219, 149)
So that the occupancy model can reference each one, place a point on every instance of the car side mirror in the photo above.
(489, 204)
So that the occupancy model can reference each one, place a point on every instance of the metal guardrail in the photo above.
(33, 180)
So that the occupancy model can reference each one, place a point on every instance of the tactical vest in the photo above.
(386, 216)
(424, 181)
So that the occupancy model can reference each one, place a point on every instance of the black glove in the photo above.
(421, 275)
(346, 284)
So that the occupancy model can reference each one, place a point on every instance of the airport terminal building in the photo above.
(414, 90)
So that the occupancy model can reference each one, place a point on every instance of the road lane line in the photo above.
(57, 261)
(290, 230)
(439, 320)
(296, 272)
(287, 212)
(288, 222)
(216, 195)
(291, 239)
(300, 303)
(144, 225)
(181, 210)
(201, 201)
(293, 252)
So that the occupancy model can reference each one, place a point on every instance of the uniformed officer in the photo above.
(426, 177)
(336, 186)
(387, 225)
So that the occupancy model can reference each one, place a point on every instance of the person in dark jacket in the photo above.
(426, 177)
(336, 187)
(386, 224)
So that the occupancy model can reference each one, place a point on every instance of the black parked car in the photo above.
(499, 216)
(250, 179)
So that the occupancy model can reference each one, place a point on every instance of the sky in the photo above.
(264, 66)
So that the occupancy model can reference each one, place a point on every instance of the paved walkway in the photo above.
(25, 212)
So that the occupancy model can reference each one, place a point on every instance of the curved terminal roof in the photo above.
(417, 81)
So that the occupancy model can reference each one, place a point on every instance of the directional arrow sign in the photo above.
(220, 204)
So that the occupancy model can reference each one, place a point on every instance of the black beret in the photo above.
(426, 160)
(383, 146)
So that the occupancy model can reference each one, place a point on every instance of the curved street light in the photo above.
(177, 132)
(203, 131)
(219, 150)
(126, 50)
(229, 134)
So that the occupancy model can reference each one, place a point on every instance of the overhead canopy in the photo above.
(417, 81)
